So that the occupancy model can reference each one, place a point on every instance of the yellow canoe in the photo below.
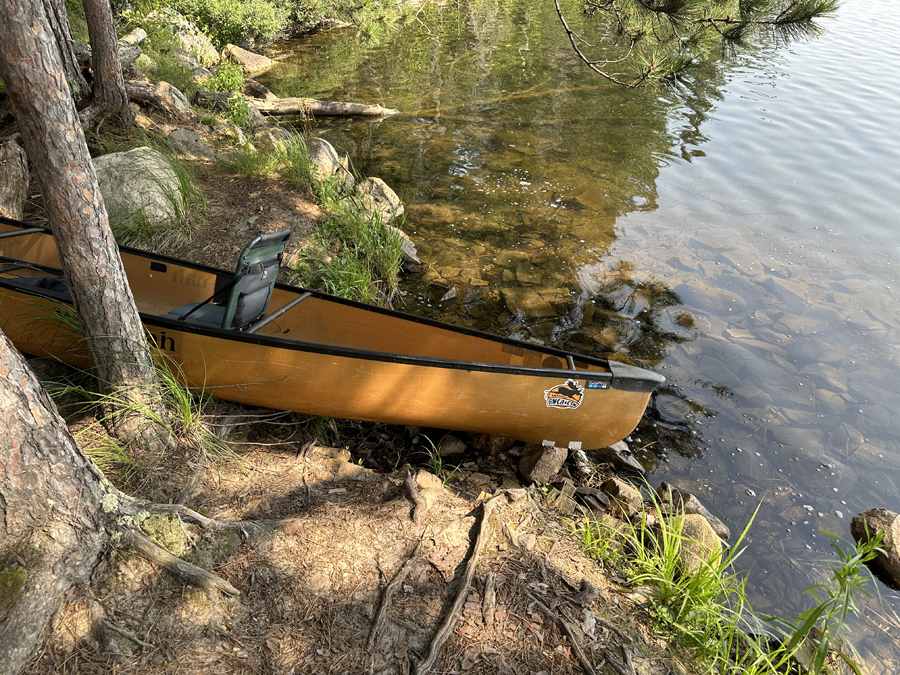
(314, 353)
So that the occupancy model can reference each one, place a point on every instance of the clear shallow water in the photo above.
(738, 235)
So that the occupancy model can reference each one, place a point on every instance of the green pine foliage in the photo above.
(640, 42)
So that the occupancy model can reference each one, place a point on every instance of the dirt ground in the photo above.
(334, 527)
(333, 534)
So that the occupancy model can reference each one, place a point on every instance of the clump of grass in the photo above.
(708, 612)
(353, 257)
(443, 471)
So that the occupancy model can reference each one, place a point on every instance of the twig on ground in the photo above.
(570, 634)
(443, 633)
(420, 507)
(489, 606)
(388, 595)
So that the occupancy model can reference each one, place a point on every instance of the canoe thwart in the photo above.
(278, 312)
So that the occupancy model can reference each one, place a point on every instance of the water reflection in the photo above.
(738, 235)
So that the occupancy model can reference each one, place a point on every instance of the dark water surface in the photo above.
(739, 235)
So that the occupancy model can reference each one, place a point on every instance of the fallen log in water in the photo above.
(311, 106)
(297, 106)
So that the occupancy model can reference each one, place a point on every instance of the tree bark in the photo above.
(51, 514)
(14, 185)
(58, 20)
(88, 254)
(109, 85)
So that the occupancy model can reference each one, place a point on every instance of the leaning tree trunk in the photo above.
(59, 26)
(13, 180)
(51, 511)
(59, 515)
(89, 256)
(110, 97)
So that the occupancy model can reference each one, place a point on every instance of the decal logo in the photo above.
(566, 395)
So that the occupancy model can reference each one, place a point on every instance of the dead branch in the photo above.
(420, 507)
(196, 576)
(489, 605)
(443, 633)
(389, 592)
(570, 634)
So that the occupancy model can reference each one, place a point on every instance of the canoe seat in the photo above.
(245, 298)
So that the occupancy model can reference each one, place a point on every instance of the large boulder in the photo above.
(323, 158)
(377, 198)
(173, 100)
(189, 37)
(250, 62)
(139, 185)
(865, 525)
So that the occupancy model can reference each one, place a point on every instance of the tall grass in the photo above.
(708, 613)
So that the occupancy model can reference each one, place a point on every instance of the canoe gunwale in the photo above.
(620, 376)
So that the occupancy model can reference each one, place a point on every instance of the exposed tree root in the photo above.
(197, 576)
(420, 507)
(564, 626)
(389, 592)
(440, 637)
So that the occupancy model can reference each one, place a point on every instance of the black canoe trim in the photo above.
(621, 376)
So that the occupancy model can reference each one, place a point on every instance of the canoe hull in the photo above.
(332, 357)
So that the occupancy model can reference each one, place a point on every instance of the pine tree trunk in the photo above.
(51, 511)
(109, 85)
(14, 181)
(89, 256)
(58, 21)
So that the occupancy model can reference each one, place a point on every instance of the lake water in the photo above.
(738, 235)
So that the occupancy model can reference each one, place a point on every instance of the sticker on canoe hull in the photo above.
(568, 395)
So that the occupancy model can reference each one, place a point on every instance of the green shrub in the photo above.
(229, 77)
(234, 21)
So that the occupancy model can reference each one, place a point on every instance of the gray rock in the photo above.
(256, 90)
(190, 144)
(624, 496)
(377, 198)
(249, 62)
(323, 158)
(700, 544)
(687, 503)
(540, 463)
(139, 184)
(173, 99)
(272, 137)
(867, 524)
(187, 35)
(450, 446)
(619, 455)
